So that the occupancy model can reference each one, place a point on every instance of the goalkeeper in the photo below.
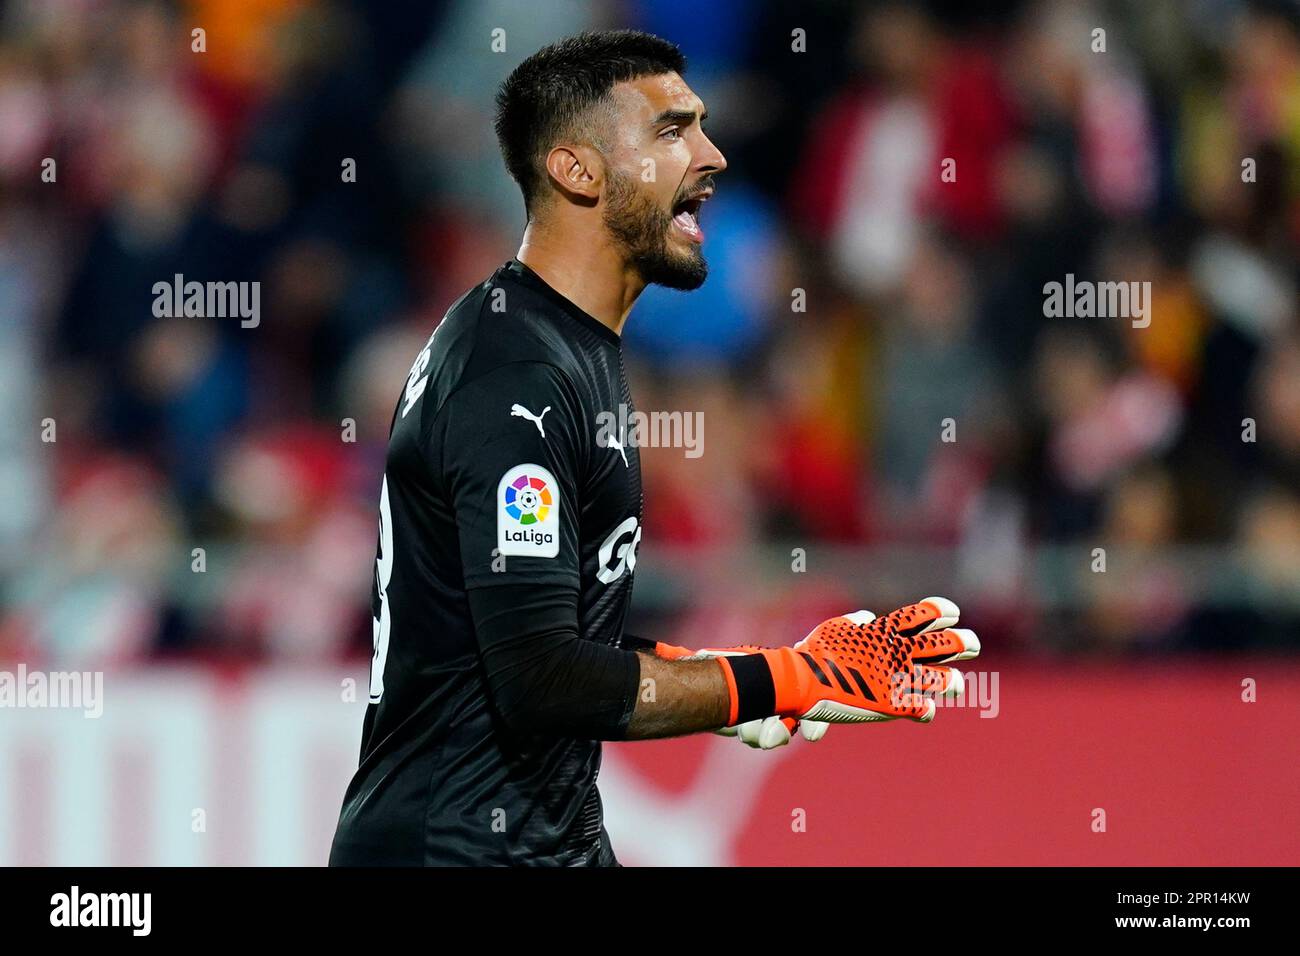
(509, 522)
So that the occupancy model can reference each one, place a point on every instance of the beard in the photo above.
(642, 229)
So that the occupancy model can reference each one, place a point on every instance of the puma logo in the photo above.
(518, 411)
(612, 442)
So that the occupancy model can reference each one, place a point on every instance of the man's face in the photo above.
(660, 171)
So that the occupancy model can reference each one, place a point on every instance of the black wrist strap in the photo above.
(755, 689)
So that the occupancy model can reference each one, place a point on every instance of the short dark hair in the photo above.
(547, 97)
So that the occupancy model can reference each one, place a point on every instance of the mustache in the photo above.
(699, 189)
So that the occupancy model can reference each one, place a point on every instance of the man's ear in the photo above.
(578, 172)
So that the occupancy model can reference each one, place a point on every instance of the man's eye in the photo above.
(672, 133)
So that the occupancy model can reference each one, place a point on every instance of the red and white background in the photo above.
(198, 766)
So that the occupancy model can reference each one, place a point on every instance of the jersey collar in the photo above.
(536, 282)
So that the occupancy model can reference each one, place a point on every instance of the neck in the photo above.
(585, 269)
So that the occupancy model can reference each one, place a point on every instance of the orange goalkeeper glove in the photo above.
(764, 733)
(855, 668)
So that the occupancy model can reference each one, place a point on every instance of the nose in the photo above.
(711, 159)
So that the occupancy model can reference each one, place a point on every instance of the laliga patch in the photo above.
(528, 513)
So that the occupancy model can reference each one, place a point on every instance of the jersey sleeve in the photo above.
(512, 460)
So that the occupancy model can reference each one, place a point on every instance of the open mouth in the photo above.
(686, 217)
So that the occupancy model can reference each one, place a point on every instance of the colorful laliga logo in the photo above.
(528, 512)
(528, 500)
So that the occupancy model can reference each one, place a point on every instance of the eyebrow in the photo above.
(678, 116)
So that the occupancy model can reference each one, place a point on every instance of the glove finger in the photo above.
(749, 731)
(931, 614)
(946, 646)
(813, 730)
(766, 733)
(915, 707)
(776, 732)
(939, 681)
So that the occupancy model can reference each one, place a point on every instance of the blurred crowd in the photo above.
(871, 353)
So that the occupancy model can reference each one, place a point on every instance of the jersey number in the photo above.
(383, 625)
(417, 380)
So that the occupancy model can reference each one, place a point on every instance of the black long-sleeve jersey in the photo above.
(502, 470)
